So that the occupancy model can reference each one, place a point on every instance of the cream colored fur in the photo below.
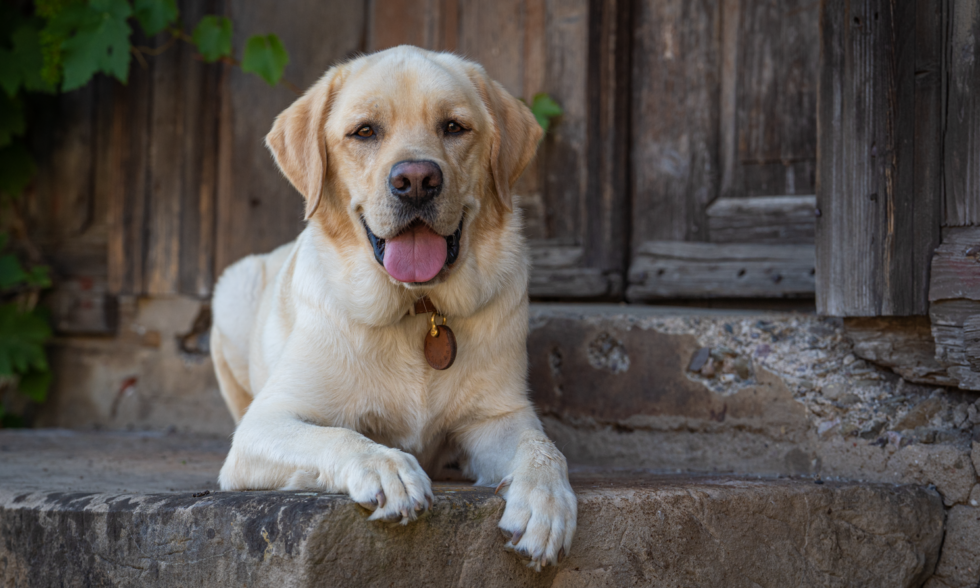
(317, 349)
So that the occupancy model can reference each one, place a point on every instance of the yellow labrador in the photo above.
(407, 159)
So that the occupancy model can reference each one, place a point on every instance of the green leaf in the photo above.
(97, 40)
(10, 74)
(22, 338)
(213, 37)
(545, 109)
(266, 57)
(16, 168)
(155, 15)
(12, 121)
(34, 384)
(39, 276)
(27, 52)
(11, 272)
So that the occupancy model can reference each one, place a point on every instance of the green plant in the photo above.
(24, 371)
(545, 110)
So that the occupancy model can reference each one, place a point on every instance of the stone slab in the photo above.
(89, 509)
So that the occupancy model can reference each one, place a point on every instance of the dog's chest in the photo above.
(388, 391)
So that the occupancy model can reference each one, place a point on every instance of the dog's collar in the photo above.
(424, 306)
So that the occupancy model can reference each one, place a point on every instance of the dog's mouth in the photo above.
(417, 254)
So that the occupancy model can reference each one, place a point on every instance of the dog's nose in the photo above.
(415, 181)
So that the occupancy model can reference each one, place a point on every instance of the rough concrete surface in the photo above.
(749, 392)
(114, 526)
(155, 374)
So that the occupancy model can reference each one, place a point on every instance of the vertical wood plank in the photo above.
(198, 155)
(564, 152)
(165, 189)
(962, 145)
(128, 154)
(257, 209)
(492, 34)
(778, 51)
(430, 24)
(676, 91)
(607, 208)
(731, 16)
(869, 257)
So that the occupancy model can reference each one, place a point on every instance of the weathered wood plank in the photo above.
(904, 344)
(677, 269)
(606, 204)
(955, 304)
(546, 254)
(955, 328)
(956, 265)
(579, 282)
(873, 203)
(762, 219)
(128, 156)
(199, 172)
(257, 209)
(778, 57)
(675, 109)
(168, 79)
(431, 24)
(962, 144)
(563, 155)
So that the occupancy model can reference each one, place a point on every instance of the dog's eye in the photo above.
(453, 128)
(365, 131)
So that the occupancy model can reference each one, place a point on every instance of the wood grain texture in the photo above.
(675, 110)
(675, 269)
(879, 221)
(962, 144)
(955, 326)
(607, 213)
(776, 93)
(955, 304)
(431, 24)
(257, 210)
(956, 265)
(762, 219)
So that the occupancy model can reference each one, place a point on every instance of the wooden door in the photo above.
(723, 150)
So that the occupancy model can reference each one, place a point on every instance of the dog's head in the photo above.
(403, 152)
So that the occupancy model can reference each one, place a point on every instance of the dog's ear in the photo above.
(515, 137)
(298, 139)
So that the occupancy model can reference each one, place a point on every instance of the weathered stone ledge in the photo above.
(635, 528)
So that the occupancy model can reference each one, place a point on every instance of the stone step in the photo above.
(141, 509)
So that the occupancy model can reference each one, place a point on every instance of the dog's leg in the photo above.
(274, 449)
(531, 474)
(236, 397)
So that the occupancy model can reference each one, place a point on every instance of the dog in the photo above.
(407, 160)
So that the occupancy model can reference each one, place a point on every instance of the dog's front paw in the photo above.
(540, 516)
(391, 483)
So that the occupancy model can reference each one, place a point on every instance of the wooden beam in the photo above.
(677, 269)
(877, 193)
(955, 305)
(962, 153)
(763, 219)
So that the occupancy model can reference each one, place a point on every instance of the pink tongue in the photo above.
(416, 255)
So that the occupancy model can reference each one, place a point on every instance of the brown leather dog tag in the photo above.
(440, 351)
